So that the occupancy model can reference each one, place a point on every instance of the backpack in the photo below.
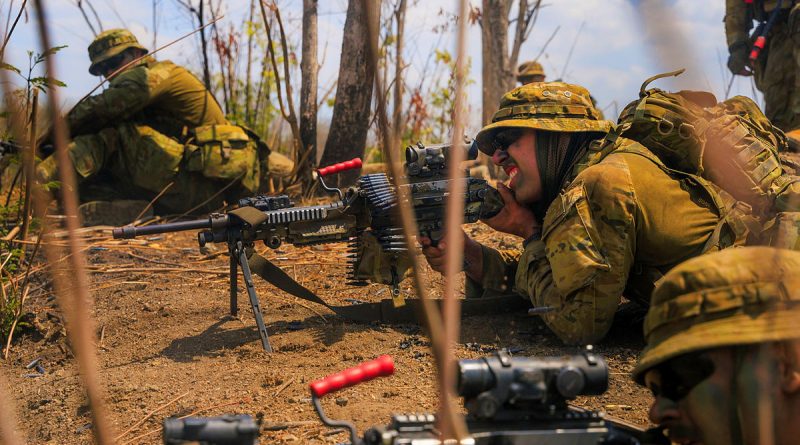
(732, 144)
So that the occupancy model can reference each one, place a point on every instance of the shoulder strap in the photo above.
(383, 310)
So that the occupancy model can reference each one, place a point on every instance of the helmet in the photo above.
(549, 106)
(108, 44)
(527, 70)
(733, 297)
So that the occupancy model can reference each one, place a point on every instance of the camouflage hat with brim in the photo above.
(532, 68)
(108, 44)
(548, 106)
(733, 297)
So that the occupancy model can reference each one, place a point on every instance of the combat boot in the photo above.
(113, 213)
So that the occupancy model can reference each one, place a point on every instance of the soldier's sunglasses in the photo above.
(111, 64)
(675, 378)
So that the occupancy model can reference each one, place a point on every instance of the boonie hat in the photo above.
(733, 297)
(108, 44)
(529, 69)
(549, 106)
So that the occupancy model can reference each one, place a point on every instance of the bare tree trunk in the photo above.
(397, 115)
(350, 121)
(308, 95)
(204, 46)
(496, 72)
(519, 38)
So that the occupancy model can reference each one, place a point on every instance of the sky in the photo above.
(608, 46)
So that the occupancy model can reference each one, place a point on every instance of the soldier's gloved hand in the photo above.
(514, 218)
(739, 59)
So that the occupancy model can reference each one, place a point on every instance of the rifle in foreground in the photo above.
(509, 400)
(364, 215)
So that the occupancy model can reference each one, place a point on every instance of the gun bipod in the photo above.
(238, 259)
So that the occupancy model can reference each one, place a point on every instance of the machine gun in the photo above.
(509, 400)
(366, 212)
(7, 147)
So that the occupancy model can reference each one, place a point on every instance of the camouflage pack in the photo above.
(224, 152)
(732, 143)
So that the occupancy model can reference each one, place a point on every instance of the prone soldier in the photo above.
(600, 216)
(723, 349)
(156, 129)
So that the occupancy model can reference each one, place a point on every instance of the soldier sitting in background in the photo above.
(723, 349)
(155, 129)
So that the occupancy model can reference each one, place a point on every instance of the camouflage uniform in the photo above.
(735, 297)
(722, 350)
(776, 69)
(157, 124)
(620, 222)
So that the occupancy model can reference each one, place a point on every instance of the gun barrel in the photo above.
(129, 232)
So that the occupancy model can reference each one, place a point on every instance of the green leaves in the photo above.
(9, 67)
(49, 52)
(42, 83)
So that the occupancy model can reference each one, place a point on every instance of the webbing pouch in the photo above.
(224, 152)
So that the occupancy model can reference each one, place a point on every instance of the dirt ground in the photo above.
(164, 339)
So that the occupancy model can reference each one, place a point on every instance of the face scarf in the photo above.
(556, 154)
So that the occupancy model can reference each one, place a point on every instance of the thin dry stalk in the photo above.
(452, 420)
(10, 235)
(75, 305)
(9, 434)
(287, 109)
(17, 316)
(193, 413)
(28, 161)
(13, 26)
(151, 414)
(212, 197)
(454, 209)
(153, 201)
(550, 39)
(79, 4)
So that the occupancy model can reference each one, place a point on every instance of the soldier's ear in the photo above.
(789, 357)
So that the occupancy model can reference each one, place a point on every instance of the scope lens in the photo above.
(474, 377)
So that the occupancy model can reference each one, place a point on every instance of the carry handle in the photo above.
(340, 167)
(380, 367)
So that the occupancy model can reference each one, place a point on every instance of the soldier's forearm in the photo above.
(473, 259)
